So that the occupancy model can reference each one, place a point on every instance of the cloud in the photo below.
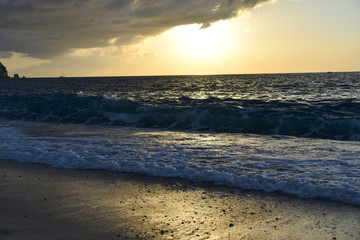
(6, 54)
(43, 28)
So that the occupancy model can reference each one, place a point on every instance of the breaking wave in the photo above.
(326, 119)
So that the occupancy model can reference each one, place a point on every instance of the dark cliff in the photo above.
(3, 71)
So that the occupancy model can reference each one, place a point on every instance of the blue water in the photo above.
(294, 133)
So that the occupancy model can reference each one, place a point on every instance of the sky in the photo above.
(49, 38)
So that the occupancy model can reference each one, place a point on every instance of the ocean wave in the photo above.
(308, 168)
(326, 119)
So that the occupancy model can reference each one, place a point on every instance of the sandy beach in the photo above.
(40, 202)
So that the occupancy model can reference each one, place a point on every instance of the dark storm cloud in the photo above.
(45, 28)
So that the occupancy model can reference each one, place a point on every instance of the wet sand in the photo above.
(39, 202)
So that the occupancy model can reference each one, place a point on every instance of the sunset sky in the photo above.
(40, 38)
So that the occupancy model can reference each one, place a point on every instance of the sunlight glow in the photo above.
(195, 43)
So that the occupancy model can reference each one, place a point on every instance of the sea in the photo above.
(291, 133)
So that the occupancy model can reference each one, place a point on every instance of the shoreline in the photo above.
(41, 202)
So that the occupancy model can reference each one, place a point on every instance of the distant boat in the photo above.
(62, 74)
(329, 72)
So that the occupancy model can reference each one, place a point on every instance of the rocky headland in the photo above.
(3, 71)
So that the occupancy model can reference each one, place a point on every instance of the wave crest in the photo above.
(332, 120)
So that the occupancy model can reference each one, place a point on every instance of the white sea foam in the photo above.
(304, 167)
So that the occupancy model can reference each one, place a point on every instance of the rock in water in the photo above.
(3, 71)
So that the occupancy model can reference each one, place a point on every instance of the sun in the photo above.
(189, 49)
(194, 43)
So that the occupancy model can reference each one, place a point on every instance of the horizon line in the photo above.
(168, 75)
